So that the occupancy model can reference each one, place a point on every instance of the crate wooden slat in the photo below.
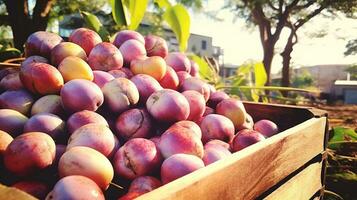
(302, 186)
(248, 173)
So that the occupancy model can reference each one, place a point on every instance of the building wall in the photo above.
(324, 75)
(200, 45)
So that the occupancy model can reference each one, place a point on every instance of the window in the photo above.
(204, 44)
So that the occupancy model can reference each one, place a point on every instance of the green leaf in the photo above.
(163, 4)
(244, 68)
(119, 12)
(342, 134)
(260, 74)
(329, 195)
(137, 10)
(93, 23)
(179, 20)
(205, 71)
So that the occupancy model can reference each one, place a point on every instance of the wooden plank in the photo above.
(302, 186)
(13, 194)
(250, 172)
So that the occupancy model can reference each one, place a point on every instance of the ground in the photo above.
(341, 115)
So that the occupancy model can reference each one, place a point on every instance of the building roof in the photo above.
(345, 82)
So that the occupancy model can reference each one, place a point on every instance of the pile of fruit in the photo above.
(82, 115)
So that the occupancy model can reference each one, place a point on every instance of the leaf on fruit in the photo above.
(93, 23)
(119, 12)
(137, 10)
(163, 4)
(179, 20)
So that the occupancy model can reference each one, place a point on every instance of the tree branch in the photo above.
(308, 4)
(302, 21)
(272, 6)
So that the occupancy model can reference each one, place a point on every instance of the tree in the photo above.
(25, 21)
(353, 71)
(351, 48)
(272, 16)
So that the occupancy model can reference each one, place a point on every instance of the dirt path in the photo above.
(344, 115)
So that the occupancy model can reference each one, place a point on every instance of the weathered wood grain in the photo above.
(302, 186)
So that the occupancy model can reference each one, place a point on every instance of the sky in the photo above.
(241, 43)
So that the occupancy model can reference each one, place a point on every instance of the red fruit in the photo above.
(120, 94)
(5, 140)
(168, 106)
(60, 149)
(19, 100)
(248, 123)
(232, 109)
(86, 162)
(34, 188)
(182, 76)
(47, 123)
(132, 50)
(137, 157)
(179, 165)
(178, 61)
(65, 49)
(176, 140)
(85, 38)
(266, 127)
(105, 56)
(41, 43)
(216, 97)
(95, 136)
(12, 122)
(125, 35)
(156, 46)
(101, 78)
(185, 124)
(170, 79)
(144, 184)
(48, 104)
(197, 104)
(215, 143)
(208, 111)
(245, 138)
(80, 94)
(76, 188)
(11, 82)
(81, 118)
(29, 152)
(146, 86)
(215, 126)
(41, 78)
(197, 85)
(194, 69)
(134, 123)
(121, 73)
(215, 153)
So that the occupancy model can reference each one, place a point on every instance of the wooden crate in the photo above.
(289, 165)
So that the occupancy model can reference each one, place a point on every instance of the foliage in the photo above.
(351, 48)
(129, 14)
(303, 80)
(342, 162)
(353, 71)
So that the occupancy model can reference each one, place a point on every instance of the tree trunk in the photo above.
(268, 58)
(286, 55)
(22, 24)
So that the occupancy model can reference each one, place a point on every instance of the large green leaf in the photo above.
(163, 4)
(179, 20)
(119, 12)
(341, 134)
(137, 10)
(260, 74)
(93, 23)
